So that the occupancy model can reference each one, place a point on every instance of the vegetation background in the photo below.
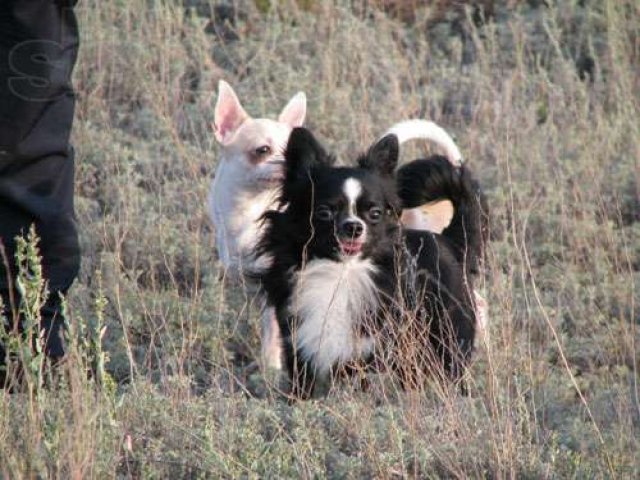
(543, 98)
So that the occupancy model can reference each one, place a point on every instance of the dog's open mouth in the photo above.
(273, 172)
(272, 178)
(271, 181)
(350, 247)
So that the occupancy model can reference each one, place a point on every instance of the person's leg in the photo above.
(38, 49)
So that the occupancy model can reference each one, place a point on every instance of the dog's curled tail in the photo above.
(425, 181)
(426, 130)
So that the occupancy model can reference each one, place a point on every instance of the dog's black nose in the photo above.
(352, 228)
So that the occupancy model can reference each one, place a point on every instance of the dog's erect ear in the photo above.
(383, 155)
(228, 114)
(295, 111)
(303, 152)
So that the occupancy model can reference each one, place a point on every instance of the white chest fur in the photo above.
(236, 211)
(331, 301)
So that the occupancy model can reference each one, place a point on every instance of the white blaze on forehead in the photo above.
(352, 189)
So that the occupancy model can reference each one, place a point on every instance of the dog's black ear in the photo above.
(303, 152)
(382, 155)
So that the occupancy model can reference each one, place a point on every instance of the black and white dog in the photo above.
(349, 284)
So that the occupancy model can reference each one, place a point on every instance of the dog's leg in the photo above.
(303, 378)
(482, 316)
(271, 340)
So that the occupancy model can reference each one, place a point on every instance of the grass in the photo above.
(554, 391)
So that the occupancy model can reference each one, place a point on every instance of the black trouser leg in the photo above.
(38, 49)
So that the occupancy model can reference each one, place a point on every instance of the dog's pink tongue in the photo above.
(350, 247)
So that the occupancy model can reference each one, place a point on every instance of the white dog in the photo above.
(245, 185)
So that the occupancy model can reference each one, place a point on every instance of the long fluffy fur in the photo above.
(433, 179)
(400, 281)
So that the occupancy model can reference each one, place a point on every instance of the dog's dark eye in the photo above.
(263, 150)
(324, 213)
(374, 214)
